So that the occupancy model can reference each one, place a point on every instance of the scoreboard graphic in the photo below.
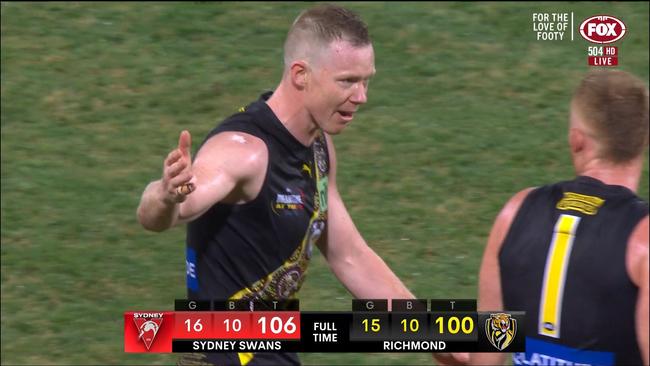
(441, 325)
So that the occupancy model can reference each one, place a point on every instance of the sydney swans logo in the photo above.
(148, 325)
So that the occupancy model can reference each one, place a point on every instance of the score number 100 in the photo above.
(454, 325)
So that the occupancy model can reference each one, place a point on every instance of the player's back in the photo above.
(563, 262)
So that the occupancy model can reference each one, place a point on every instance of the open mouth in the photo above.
(346, 115)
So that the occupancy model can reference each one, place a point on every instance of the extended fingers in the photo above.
(183, 178)
(177, 181)
(185, 143)
(176, 168)
(173, 157)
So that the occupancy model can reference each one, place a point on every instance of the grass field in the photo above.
(467, 108)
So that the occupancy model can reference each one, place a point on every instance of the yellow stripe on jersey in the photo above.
(557, 261)
(245, 357)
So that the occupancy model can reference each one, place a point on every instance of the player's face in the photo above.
(338, 85)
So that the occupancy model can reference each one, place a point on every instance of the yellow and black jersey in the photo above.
(260, 250)
(563, 262)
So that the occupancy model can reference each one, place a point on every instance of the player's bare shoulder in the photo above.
(636, 256)
(239, 156)
(511, 207)
(503, 222)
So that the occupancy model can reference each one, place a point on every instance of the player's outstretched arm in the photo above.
(353, 262)
(636, 260)
(229, 166)
(159, 207)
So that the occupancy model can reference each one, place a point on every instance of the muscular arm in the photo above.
(156, 212)
(489, 292)
(637, 266)
(230, 167)
(353, 262)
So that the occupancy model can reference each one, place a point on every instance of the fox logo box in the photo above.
(602, 29)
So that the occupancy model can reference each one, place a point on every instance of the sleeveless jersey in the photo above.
(563, 262)
(260, 250)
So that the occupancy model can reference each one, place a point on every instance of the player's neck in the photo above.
(627, 174)
(288, 107)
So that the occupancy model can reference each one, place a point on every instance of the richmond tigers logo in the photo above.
(500, 330)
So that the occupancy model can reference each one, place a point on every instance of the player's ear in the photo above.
(299, 73)
(577, 140)
(577, 135)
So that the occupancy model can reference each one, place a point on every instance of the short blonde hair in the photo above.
(614, 104)
(319, 26)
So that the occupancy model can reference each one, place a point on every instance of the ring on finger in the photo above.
(183, 189)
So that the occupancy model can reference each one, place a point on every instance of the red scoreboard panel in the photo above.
(243, 326)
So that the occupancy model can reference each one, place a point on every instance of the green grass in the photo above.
(466, 109)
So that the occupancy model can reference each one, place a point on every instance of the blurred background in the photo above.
(466, 109)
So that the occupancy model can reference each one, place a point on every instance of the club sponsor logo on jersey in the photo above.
(540, 352)
(288, 201)
(190, 269)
